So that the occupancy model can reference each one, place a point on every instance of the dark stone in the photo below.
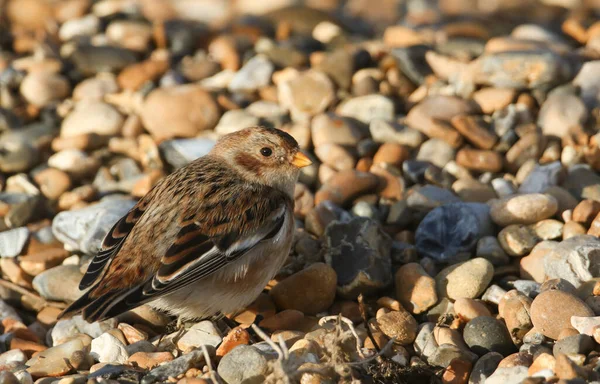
(175, 367)
(576, 344)
(411, 61)
(486, 334)
(484, 367)
(445, 353)
(450, 233)
(583, 182)
(359, 252)
(414, 170)
(90, 59)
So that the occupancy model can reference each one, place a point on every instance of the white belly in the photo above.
(236, 285)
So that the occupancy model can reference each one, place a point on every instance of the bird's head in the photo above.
(265, 155)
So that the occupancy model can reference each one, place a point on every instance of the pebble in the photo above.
(13, 241)
(179, 112)
(310, 291)
(255, 74)
(517, 240)
(174, 367)
(55, 361)
(244, 364)
(202, 333)
(415, 288)
(464, 280)
(84, 229)
(149, 360)
(485, 334)
(234, 120)
(551, 312)
(66, 329)
(508, 375)
(366, 265)
(523, 209)
(485, 367)
(573, 260)
(390, 132)
(561, 111)
(571, 345)
(306, 95)
(108, 349)
(489, 248)
(444, 238)
(42, 89)
(59, 283)
(469, 309)
(345, 186)
(368, 108)
(399, 325)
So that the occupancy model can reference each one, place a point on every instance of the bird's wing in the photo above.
(212, 229)
(112, 243)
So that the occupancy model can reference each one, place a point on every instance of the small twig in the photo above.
(363, 313)
(381, 352)
(350, 325)
(212, 374)
(283, 346)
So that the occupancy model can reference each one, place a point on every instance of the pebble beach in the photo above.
(446, 232)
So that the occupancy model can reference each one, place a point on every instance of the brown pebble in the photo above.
(346, 186)
(572, 229)
(475, 130)
(415, 289)
(53, 182)
(469, 309)
(309, 291)
(491, 100)
(288, 319)
(398, 324)
(586, 211)
(235, 337)
(516, 359)
(479, 160)
(457, 372)
(149, 360)
(542, 362)
(36, 263)
(595, 226)
(391, 153)
(551, 312)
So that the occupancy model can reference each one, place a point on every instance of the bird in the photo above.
(206, 239)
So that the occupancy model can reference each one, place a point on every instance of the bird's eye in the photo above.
(266, 152)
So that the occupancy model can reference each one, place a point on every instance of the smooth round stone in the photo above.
(391, 153)
(469, 309)
(390, 132)
(346, 186)
(91, 59)
(465, 280)
(523, 209)
(92, 117)
(548, 229)
(451, 232)
(398, 324)
(561, 111)
(255, 74)
(243, 364)
(84, 26)
(235, 120)
(108, 349)
(96, 88)
(129, 34)
(437, 152)
(486, 334)
(179, 111)
(551, 312)
(310, 291)
(44, 88)
(329, 128)
(13, 241)
(306, 95)
(415, 288)
(368, 108)
(336, 156)
(517, 240)
(53, 182)
(571, 345)
(473, 191)
(59, 283)
(494, 99)
(485, 367)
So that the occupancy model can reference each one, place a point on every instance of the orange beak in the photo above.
(301, 160)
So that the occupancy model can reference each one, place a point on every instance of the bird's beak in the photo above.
(301, 160)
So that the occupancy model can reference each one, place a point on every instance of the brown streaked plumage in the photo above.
(207, 238)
